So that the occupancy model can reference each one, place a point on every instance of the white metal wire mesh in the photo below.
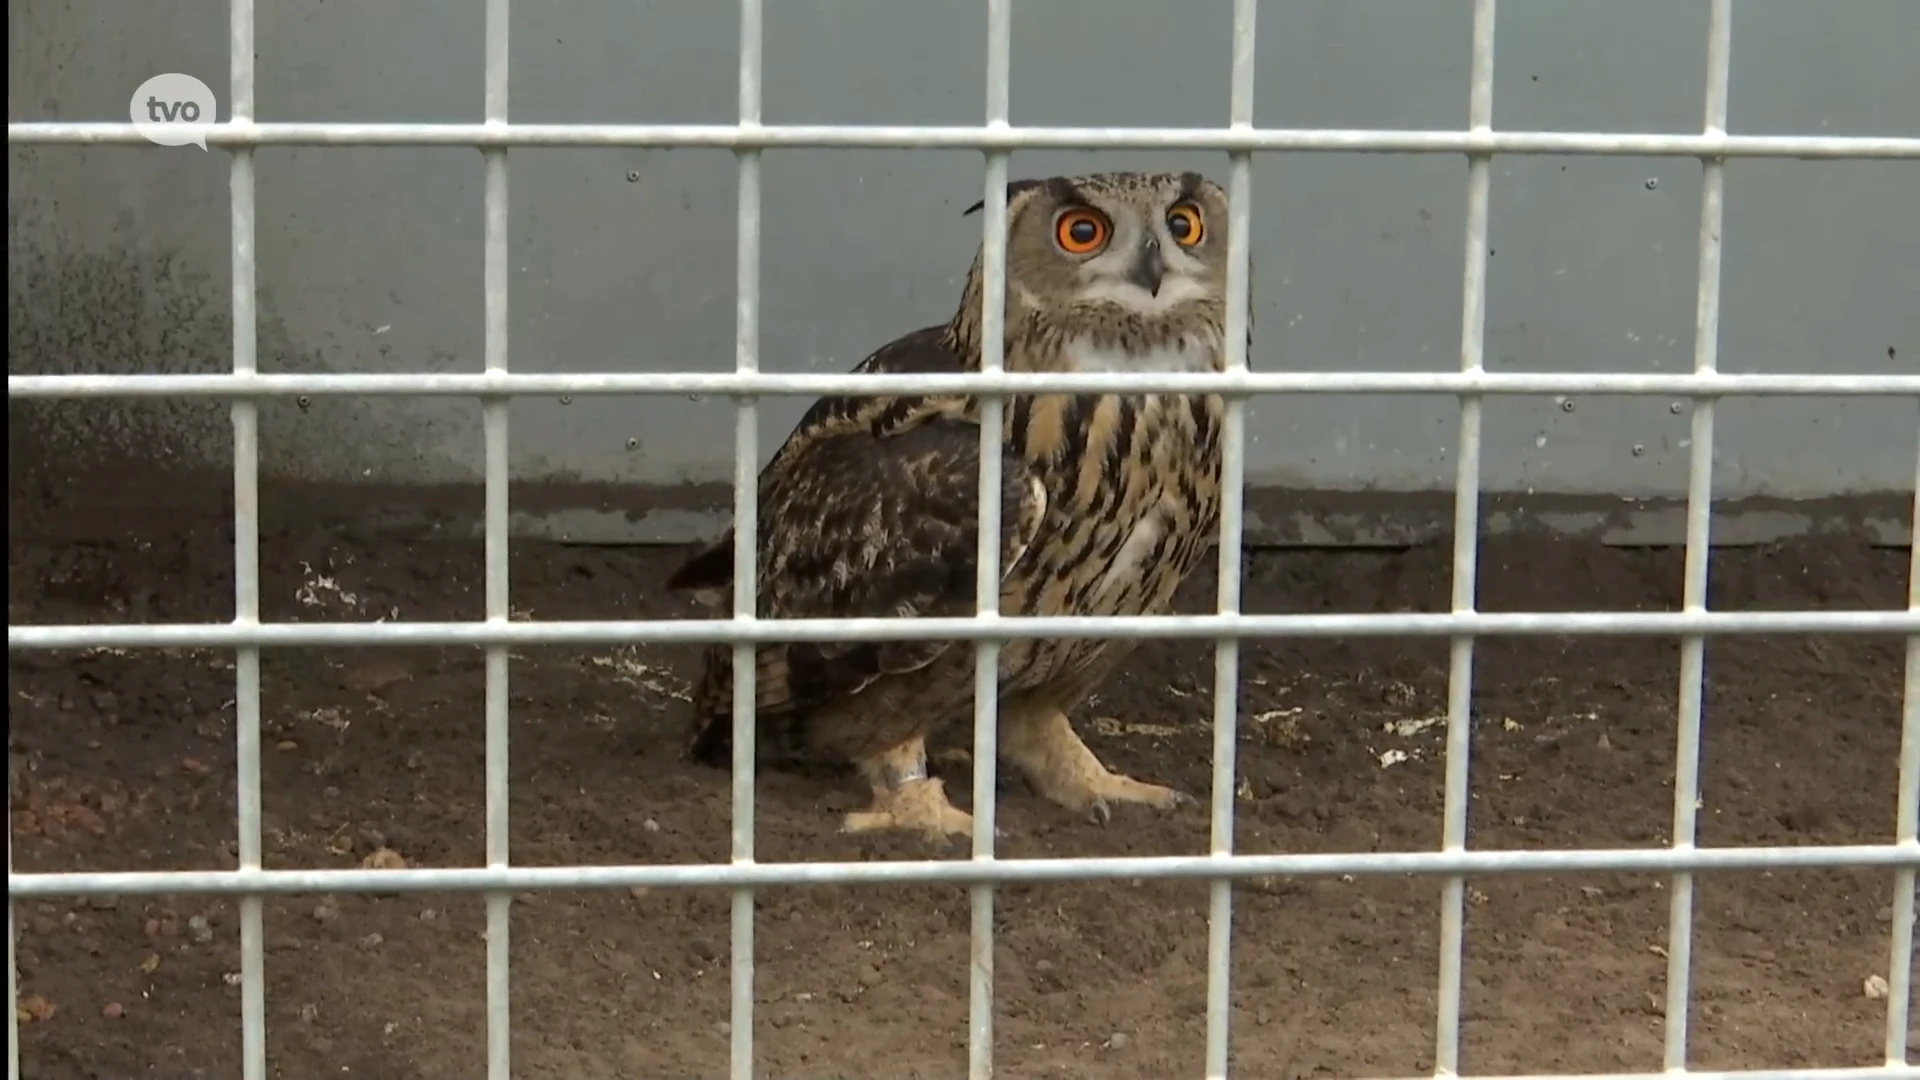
(241, 134)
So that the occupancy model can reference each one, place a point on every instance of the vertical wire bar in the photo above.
(13, 982)
(986, 655)
(493, 416)
(1466, 547)
(1906, 819)
(746, 524)
(1693, 648)
(1233, 468)
(246, 554)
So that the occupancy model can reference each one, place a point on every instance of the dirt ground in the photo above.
(126, 761)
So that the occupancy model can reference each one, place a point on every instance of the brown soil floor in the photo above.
(126, 761)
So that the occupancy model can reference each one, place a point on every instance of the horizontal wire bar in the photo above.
(972, 871)
(994, 628)
(1875, 1072)
(432, 384)
(982, 137)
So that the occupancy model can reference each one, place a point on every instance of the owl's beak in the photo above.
(1148, 268)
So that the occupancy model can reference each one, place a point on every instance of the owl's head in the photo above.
(1127, 258)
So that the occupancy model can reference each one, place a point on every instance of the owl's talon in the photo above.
(916, 806)
(1060, 766)
(962, 844)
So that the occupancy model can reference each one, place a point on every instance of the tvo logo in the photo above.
(173, 110)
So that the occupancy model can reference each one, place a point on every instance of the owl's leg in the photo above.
(1039, 741)
(905, 797)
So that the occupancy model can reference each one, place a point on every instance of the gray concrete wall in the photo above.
(369, 259)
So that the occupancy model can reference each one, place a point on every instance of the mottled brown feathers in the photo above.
(868, 510)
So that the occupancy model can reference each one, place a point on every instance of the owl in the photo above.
(1108, 502)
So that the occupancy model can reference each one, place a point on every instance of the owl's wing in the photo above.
(869, 509)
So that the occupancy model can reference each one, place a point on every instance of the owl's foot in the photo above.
(1061, 767)
(917, 805)
(906, 798)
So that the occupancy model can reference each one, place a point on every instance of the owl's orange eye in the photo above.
(1081, 231)
(1185, 225)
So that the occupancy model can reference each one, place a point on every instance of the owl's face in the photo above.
(1139, 248)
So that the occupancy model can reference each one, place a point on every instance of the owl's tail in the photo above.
(777, 718)
(708, 574)
(790, 684)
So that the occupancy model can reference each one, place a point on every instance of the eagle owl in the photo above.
(1108, 502)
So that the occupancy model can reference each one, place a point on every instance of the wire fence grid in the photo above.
(241, 135)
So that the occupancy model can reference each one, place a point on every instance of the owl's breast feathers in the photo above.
(868, 510)
(1134, 486)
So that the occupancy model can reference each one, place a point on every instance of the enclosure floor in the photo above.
(124, 761)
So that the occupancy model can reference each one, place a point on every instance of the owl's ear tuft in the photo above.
(1014, 188)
